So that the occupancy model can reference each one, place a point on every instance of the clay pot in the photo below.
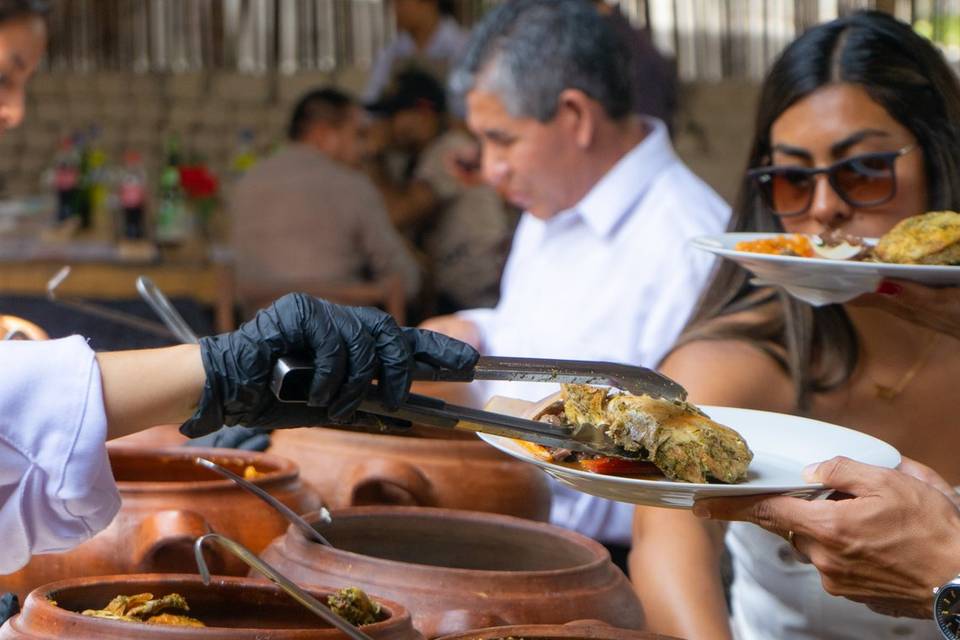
(428, 468)
(350, 469)
(458, 570)
(233, 608)
(580, 630)
(167, 503)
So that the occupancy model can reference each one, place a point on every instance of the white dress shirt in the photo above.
(56, 486)
(613, 278)
(444, 48)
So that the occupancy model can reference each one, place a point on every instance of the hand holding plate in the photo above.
(934, 308)
(888, 546)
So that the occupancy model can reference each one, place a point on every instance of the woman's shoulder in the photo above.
(734, 372)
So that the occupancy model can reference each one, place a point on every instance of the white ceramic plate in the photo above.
(782, 446)
(817, 280)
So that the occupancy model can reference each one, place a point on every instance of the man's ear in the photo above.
(578, 113)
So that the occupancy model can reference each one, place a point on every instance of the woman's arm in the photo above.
(674, 563)
(145, 388)
(674, 567)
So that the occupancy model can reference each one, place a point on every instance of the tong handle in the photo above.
(292, 376)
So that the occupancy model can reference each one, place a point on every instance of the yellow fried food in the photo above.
(932, 238)
(143, 607)
(174, 620)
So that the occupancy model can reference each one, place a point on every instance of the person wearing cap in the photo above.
(463, 229)
(427, 35)
(307, 215)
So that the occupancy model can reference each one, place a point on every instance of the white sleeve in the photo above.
(56, 486)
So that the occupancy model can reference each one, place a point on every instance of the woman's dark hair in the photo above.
(906, 75)
(10, 9)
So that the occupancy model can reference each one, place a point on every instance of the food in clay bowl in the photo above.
(167, 502)
(229, 608)
(460, 570)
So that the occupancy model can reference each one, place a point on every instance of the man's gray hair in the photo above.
(527, 52)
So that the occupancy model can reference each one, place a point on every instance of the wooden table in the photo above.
(97, 273)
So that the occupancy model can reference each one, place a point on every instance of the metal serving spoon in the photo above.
(292, 516)
(295, 592)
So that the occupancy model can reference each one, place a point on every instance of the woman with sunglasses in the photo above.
(858, 127)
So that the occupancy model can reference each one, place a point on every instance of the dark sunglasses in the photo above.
(861, 181)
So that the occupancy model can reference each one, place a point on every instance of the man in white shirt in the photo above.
(600, 267)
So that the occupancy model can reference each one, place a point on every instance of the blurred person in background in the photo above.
(857, 128)
(600, 267)
(307, 215)
(463, 230)
(428, 36)
(654, 77)
(60, 401)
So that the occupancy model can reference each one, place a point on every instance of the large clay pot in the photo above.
(167, 503)
(428, 468)
(580, 630)
(232, 608)
(350, 469)
(458, 570)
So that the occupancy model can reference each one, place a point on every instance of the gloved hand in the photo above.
(349, 347)
(9, 606)
(238, 437)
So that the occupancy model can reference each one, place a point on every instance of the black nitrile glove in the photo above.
(9, 606)
(349, 346)
(239, 437)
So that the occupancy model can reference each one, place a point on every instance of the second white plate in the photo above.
(817, 280)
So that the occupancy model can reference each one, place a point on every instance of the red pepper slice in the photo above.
(618, 466)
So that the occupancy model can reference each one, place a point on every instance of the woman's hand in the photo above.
(934, 308)
(349, 347)
(887, 546)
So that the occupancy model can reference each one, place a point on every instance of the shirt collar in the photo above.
(616, 193)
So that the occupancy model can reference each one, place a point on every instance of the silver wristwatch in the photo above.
(946, 609)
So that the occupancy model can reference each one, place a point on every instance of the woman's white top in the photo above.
(775, 595)
(56, 487)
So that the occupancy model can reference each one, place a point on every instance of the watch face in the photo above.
(946, 611)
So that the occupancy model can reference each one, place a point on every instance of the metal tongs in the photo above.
(292, 378)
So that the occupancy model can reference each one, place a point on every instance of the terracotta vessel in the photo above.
(350, 469)
(232, 608)
(458, 570)
(580, 630)
(168, 502)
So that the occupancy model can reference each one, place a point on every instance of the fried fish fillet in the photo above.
(931, 238)
(677, 437)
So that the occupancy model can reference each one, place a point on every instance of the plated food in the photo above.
(672, 438)
(924, 249)
(929, 239)
(782, 445)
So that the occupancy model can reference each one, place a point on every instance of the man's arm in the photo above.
(888, 546)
